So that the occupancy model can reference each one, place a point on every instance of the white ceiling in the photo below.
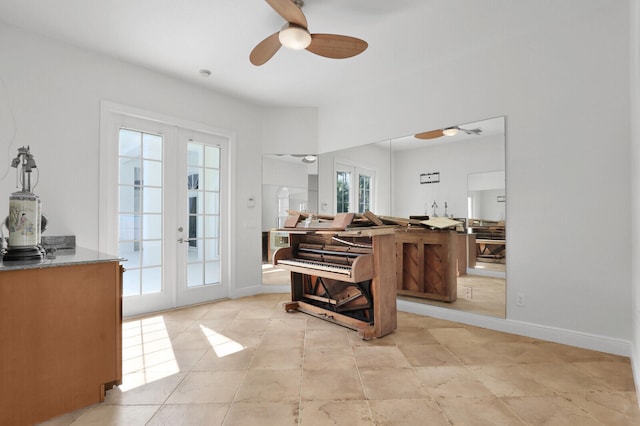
(179, 38)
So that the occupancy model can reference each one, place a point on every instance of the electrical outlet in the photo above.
(520, 299)
(468, 292)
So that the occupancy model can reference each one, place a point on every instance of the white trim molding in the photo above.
(551, 334)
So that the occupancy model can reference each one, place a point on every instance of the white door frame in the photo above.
(110, 118)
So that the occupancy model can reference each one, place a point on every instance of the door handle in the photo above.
(181, 240)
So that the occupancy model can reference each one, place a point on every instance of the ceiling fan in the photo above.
(295, 35)
(447, 131)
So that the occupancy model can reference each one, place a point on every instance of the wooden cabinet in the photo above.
(426, 262)
(61, 339)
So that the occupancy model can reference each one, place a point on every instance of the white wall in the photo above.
(564, 90)
(635, 181)
(53, 91)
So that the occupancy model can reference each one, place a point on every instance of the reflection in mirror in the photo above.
(355, 180)
(459, 176)
(487, 202)
(289, 182)
(433, 174)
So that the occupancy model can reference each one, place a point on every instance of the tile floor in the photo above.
(247, 362)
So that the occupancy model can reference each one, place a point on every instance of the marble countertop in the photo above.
(61, 258)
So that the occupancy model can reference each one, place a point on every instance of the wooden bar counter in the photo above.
(61, 335)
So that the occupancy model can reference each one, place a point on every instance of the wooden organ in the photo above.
(345, 277)
(427, 263)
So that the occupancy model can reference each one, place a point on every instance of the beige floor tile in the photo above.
(270, 386)
(616, 376)
(485, 335)
(283, 338)
(191, 339)
(117, 415)
(412, 336)
(356, 340)
(148, 392)
(276, 358)
(615, 408)
(549, 410)
(470, 353)
(484, 411)
(331, 384)
(220, 313)
(335, 413)
(68, 418)
(246, 338)
(520, 352)
(391, 383)
(428, 355)
(564, 377)
(204, 387)
(568, 353)
(380, 357)
(288, 322)
(412, 412)
(509, 380)
(326, 337)
(454, 336)
(250, 326)
(173, 360)
(248, 362)
(255, 312)
(237, 360)
(216, 325)
(190, 415)
(321, 358)
(450, 381)
(264, 413)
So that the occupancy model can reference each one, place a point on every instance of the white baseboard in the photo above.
(258, 289)
(551, 334)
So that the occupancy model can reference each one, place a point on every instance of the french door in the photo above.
(170, 213)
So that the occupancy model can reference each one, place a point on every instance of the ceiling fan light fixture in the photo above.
(294, 37)
(450, 131)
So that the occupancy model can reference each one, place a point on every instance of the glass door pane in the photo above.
(140, 212)
(203, 192)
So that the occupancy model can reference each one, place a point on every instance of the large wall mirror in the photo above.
(457, 171)
(289, 182)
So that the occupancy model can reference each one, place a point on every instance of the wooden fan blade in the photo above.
(289, 11)
(265, 49)
(432, 134)
(336, 46)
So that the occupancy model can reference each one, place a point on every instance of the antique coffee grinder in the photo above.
(25, 215)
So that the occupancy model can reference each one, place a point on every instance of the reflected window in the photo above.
(354, 189)
(364, 193)
(343, 186)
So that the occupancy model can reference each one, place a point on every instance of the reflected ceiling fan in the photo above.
(295, 35)
(448, 131)
(306, 158)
